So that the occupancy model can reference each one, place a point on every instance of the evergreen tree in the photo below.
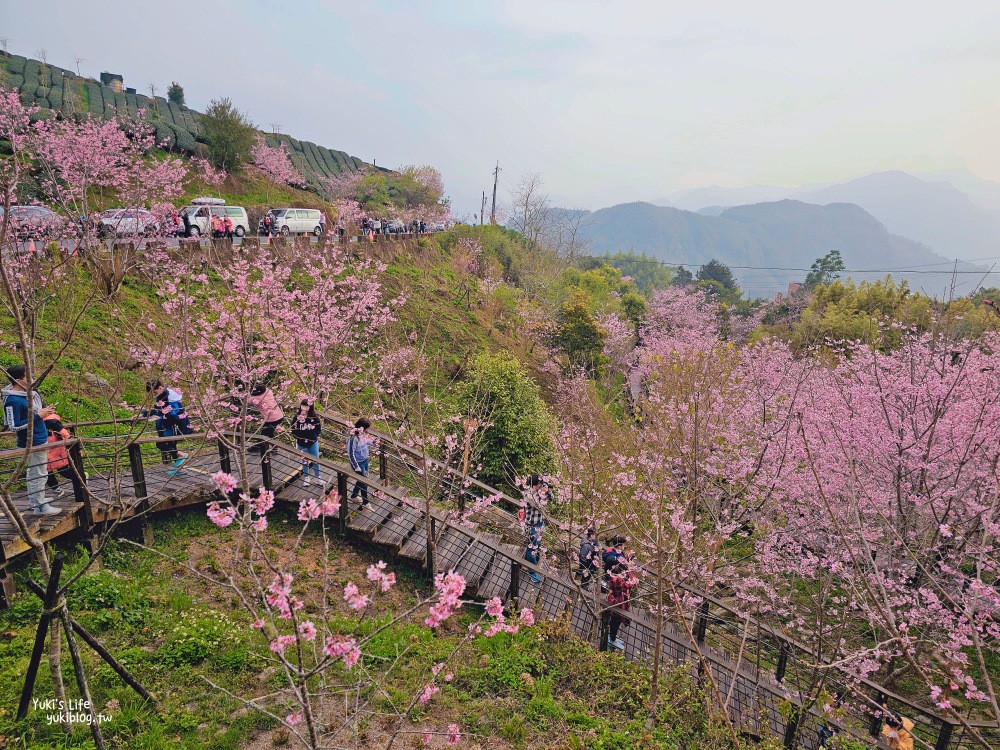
(229, 134)
(175, 94)
(825, 270)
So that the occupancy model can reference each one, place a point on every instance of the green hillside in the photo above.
(57, 90)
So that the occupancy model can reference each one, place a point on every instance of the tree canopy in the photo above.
(229, 134)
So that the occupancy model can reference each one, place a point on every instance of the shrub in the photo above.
(100, 590)
(16, 64)
(184, 139)
(95, 101)
(229, 135)
(194, 637)
(517, 438)
(32, 69)
(164, 135)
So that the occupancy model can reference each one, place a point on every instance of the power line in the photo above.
(902, 269)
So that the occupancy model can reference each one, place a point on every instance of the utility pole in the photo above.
(493, 213)
(78, 60)
(482, 209)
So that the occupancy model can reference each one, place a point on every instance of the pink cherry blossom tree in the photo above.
(275, 163)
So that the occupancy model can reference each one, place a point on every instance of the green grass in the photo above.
(538, 688)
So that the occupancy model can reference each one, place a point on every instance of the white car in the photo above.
(200, 222)
(128, 222)
(296, 221)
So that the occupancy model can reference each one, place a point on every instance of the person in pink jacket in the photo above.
(262, 399)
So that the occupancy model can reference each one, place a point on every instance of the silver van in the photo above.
(199, 216)
(296, 221)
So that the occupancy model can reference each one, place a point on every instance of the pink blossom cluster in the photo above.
(449, 587)
(280, 596)
(339, 646)
(376, 574)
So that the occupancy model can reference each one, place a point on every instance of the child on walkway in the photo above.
(58, 456)
(306, 428)
(357, 454)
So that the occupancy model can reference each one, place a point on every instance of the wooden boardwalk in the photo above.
(137, 484)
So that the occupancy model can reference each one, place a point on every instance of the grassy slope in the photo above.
(540, 688)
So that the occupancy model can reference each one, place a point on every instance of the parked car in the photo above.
(200, 218)
(436, 226)
(128, 222)
(35, 222)
(294, 221)
(395, 226)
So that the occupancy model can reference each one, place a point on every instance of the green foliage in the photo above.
(175, 94)
(194, 637)
(579, 334)
(410, 188)
(646, 272)
(682, 277)
(825, 270)
(718, 274)
(518, 437)
(229, 134)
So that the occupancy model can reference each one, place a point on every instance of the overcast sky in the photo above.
(609, 101)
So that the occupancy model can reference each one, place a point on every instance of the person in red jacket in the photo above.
(227, 223)
(58, 456)
(620, 584)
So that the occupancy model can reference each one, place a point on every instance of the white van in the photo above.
(296, 220)
(199, 217)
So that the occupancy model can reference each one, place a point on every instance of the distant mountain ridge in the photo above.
(776, 242)
(57, 90)
(955, 213)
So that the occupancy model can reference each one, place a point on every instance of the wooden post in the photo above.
(701, 623)
(141, 507)
(944, 736)
(383, 465)
(79, 480)
(792, 727)
(265, 468)
(138, 473)
(431, 532)
(225, 459)
(43, 627)
(604, 630)
(779, 673)
(515, 582)
(342, 492)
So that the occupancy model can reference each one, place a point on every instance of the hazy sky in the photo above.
(610, 101)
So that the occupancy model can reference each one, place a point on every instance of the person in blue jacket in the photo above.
(24, 413)
(357, 453)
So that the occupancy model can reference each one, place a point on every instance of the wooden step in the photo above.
(398, 526)
(496, 581)
(452, 545)
(415, 546)
(369, 518)
(473, 564)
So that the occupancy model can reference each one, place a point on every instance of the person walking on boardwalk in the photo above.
(24, 414)
(171, 420)
(357, 454)
(58, 457)
(589, 552)
(533, 517)
(621, 583)
(263, 400)
(306, 428)
(898, 732)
